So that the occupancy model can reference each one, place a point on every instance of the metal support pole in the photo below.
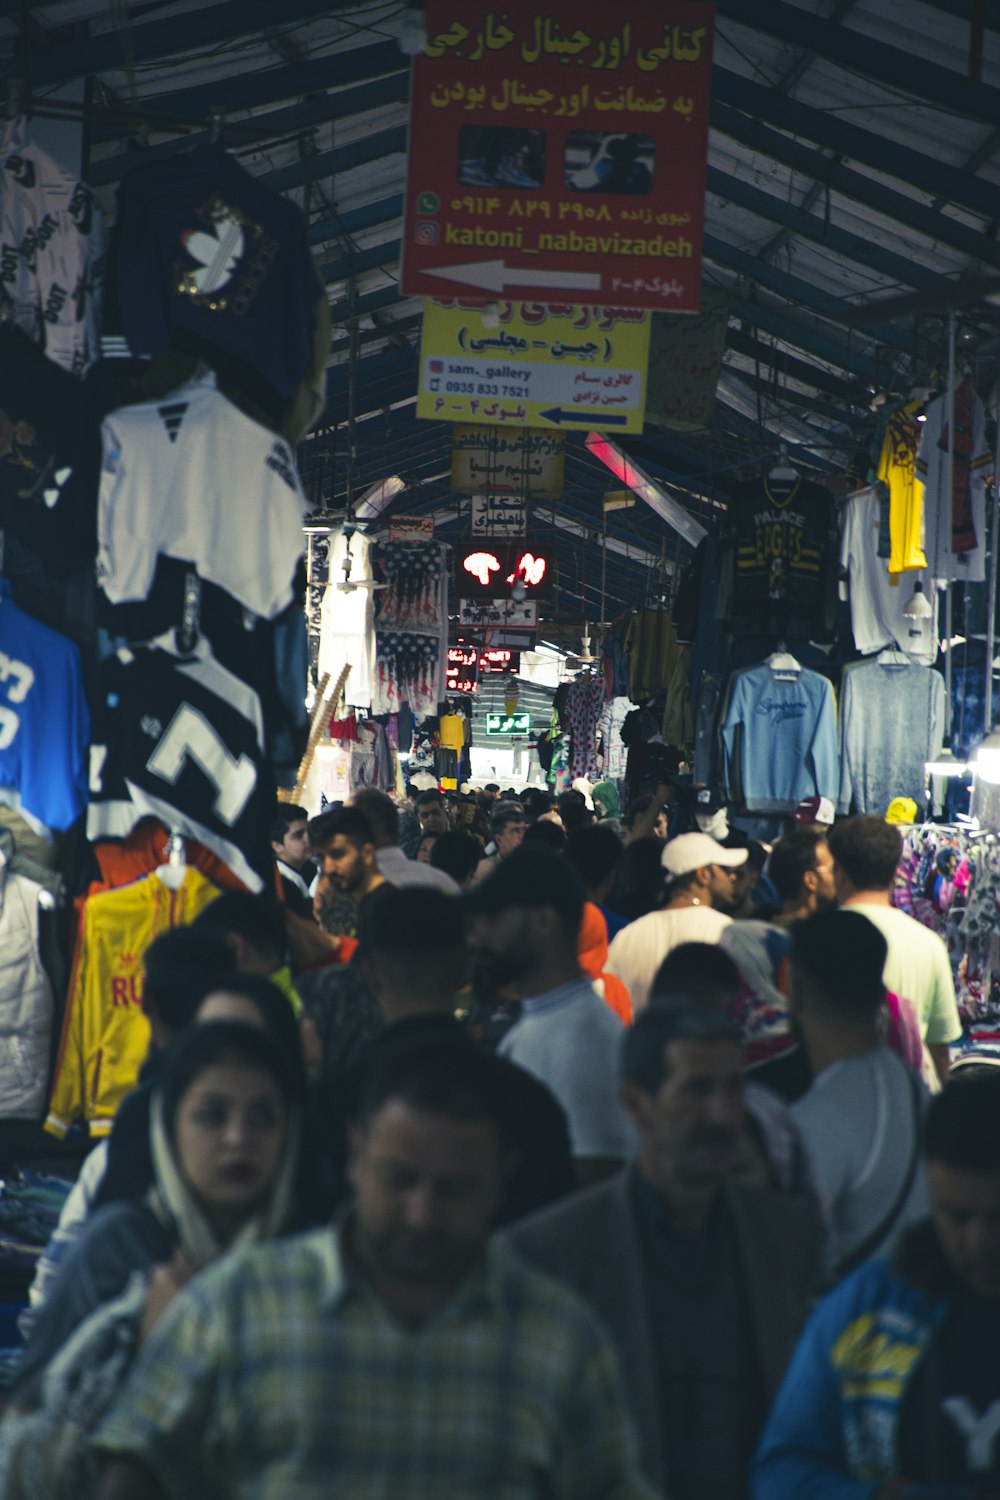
(950, 413)
(991, 609)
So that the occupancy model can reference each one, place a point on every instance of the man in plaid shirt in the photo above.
(396, 1355)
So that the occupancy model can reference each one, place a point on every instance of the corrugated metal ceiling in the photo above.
(851, 158)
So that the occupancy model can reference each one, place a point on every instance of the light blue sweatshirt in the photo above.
(779, 740)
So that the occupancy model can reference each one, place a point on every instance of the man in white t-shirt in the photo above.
(700, 875)
(865, 852)
(861, 1117)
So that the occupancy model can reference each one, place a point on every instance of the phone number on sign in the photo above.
(468, 388)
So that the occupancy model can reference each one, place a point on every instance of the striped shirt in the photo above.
(279, 1373)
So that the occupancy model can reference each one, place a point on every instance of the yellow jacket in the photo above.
(105, 1035)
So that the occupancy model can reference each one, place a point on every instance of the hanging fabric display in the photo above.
(193, 478)
(347, 619)
(105, 1034)
(892, 720)
(411, 626)
(206, 252)
(955, 519)
(25, 999)
(899, 539)
(182, 740)
(52, 289)
(879, 598)
(779, 737)
(44, 721)
(584, 704)
(778, 570)
(408, 671)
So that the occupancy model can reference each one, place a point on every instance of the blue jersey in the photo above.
(44, 720)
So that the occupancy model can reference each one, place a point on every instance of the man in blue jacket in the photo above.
(894, 1389)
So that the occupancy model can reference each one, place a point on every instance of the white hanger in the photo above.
(783, 665)
(891, 656)
(783, 471)
(173, 873)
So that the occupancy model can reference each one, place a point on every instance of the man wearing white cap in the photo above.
(699, 898)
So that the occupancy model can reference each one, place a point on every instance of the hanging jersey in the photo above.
(52, 252)
(207, 251)
(44, 720)
(192, 477)
(182, 741)
(782, 539)
(897, 471)
(105, 1034)
(121, 861)
(879, 599)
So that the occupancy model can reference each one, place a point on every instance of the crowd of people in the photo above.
(509, 1151)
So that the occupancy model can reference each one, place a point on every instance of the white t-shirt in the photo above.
(878, 599)
(571, 1041)
(860, 1130)
(917, 969)
(192, 477)
(640, 948)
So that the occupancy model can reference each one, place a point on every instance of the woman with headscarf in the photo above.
(224, 1132)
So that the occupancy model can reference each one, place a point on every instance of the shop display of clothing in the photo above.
(654, 654)
(779, 564)
(609, 732)
(53, 247)
(411, 626)
(452, 732)
(878, 597)
(195, 479)
(181, 739)
(892, 720)
(105, 1034)
(44, 720)
(209, 255)
(955, 521)
(584, 704)
(25, 1000)
(347, 622)
(896, 472)
(779, 739)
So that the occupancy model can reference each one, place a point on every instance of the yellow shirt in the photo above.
(896, 469)
(105, 1036)
(451, 732)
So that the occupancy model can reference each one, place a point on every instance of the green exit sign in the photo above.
(508, 723)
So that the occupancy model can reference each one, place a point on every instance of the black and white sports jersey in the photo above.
(182, 739)
(191, 477)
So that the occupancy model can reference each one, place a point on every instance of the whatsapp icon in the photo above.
(428, 203)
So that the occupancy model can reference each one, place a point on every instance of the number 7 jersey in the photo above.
(182, 739)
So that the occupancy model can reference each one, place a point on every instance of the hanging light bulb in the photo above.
(919, 606)
(987, 759)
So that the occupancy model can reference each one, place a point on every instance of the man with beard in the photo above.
(345, 843)
(702, 1284)
(700, 896)
(525, 924)
(396, 1353)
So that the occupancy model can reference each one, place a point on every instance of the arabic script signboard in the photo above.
(500, 616)
(545, 367)
(508, 723)
(560, 157)
(517, 461)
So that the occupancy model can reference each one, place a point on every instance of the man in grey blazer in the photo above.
(703, 1284)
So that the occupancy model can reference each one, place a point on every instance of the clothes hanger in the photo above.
(891, 656)
(783, 665)
(783, 471)
(173, 872)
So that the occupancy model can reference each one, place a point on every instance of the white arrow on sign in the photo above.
(494, 276)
